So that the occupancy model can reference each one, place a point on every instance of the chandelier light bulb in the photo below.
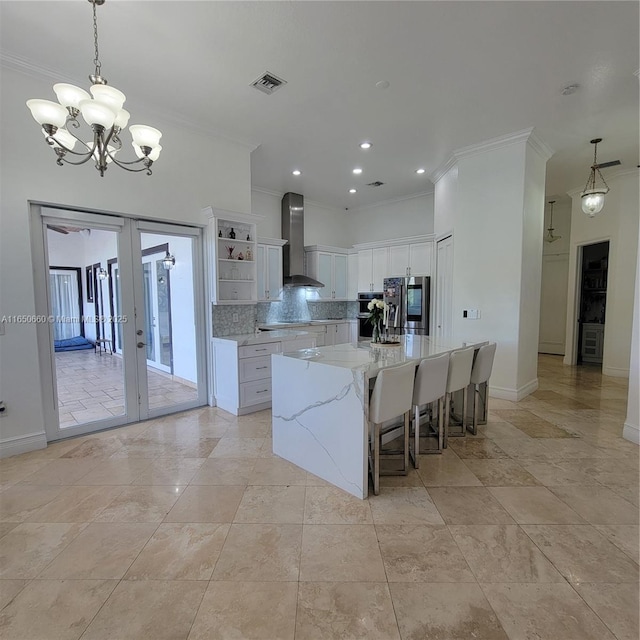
(593, 202)
(145, 136)
(122, 119)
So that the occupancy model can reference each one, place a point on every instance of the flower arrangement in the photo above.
(376, 314)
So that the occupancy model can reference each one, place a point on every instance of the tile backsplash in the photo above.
(223, 319)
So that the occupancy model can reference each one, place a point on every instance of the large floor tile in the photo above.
(616, 605)
(469, 505)
(206, 504)
(21, 501)
(115, 472)
(476, 448)
(625, 536)
(260, 552)
(30, 547)
(500, 473)
(553, 473)
(330, 505)
(446, 471)
(180, 551)
(549, 611)
(503, 553)
(598, 505)
(48, 609)
(340, 553)
(9, 589)
(277, 471)
(354, 610)
(271, 504)
(247, 610)
(172, 472)
(103, 551)
(444, 612)
(162, 610)
(61, 471)
(404, 505)
(224, 471)
(535, 505)
(140, 504)
(421, 553)
(237, 448)
(581, 554)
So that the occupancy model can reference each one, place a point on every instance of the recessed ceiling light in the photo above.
(357, 171)
(365, 145)
(352, 190)
(420, 171)
(296, 172)
(383, 84)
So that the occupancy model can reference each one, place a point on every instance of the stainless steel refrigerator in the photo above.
(408, 302)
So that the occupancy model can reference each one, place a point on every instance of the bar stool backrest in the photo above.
(460, 363)
(483, 364)
(431, 380)
(392, 393)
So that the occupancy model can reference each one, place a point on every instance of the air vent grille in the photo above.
(268, 83)
(377, 183)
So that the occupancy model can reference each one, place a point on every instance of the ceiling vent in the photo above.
(377, 183)
(268, 83)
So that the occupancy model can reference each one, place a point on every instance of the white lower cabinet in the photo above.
(338, 333)
(242, 374)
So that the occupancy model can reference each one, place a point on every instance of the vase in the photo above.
(375, 336)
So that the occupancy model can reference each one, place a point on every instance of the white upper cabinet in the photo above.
(269, 266)
(332, 269)
(373, 268)
(399, 260)
(410, 259)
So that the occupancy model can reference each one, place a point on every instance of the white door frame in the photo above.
(439, 298)
(135, 377)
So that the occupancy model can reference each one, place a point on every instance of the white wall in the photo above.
(411, 216)
(322, 224)
(445, 202)
(193, 172)
(555, 274)
(618, 223)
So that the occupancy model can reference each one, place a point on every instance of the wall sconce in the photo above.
(169, 261)
(593, 194)
(102, 273)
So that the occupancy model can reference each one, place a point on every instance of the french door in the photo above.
(143, 356)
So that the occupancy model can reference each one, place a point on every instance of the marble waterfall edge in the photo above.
(307, 398)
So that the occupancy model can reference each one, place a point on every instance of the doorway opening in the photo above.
(593, 302)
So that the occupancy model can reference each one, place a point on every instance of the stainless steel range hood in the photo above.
(293, 251)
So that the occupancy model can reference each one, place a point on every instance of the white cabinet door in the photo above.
(340, 276)
(262, 274)
(444, 289)
(352, 276)
(380, 267)
(420, 259)
(342, 333)
(324, 273)
(365, 270)
(399, 260)
(353, 332)
(273, 264)
(330, 337)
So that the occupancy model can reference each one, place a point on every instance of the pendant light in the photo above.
(103, 112)
(550, 237)
(593, 194)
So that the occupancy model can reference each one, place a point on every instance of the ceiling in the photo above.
(459, 73)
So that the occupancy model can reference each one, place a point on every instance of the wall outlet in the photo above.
(234, 317)
(471, 314)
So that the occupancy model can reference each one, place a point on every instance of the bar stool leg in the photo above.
(447, 409)
(407, 417)
(476, 405)
(416, 435)
(376, 459)
(440, 423)
(464, 411)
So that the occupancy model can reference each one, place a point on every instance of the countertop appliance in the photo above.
(408, 302)
(365, 328)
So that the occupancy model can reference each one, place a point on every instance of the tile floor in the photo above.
(91, 387)
(187, 527)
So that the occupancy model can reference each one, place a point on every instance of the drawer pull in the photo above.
(260, 349)
(258, 368)
(263, 391)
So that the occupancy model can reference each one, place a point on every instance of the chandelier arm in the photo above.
(62, 158)
(603, 180)
(126, 165)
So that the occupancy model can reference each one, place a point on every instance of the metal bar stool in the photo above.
(430, 386)
(391, 398)
(459, 377)
(480, 374)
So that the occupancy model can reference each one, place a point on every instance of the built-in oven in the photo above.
(365, 328)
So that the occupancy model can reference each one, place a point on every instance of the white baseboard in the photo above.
(615, 372)
(22, 444)
(631, 432)
(514, 395)
(554, 348)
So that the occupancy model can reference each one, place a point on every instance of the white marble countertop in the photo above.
(372, 358)
(277, 325)
(279, 335)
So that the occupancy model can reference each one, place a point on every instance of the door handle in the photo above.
(141, 344)
(139, 332)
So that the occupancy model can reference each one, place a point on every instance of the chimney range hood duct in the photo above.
(293, 251)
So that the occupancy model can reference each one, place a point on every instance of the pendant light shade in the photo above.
(97, 113)
(549, 237)
(69, 95)
(595, 190)
(47, 112)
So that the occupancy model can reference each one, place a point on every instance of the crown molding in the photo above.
(428, 237)
(394, 200)
(517, 137)
(443, 169)
(269, 192)
(26, 67)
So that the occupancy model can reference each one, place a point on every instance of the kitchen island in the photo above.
(320, 404)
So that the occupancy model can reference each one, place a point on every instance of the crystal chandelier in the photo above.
(593, 194)
(103, 112)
